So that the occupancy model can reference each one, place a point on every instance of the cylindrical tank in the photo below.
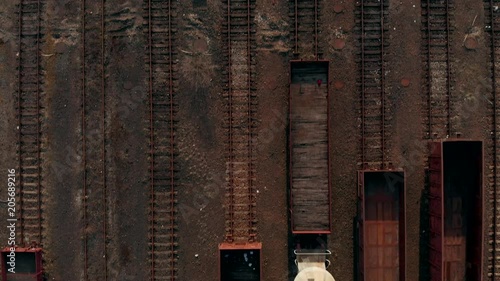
(312, 265)
(314, 274)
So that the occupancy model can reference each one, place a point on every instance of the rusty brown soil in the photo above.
(200, 133)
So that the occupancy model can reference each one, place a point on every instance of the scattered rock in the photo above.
(338, 8)
(338, 44)
(405, 82)
(470, 43)
(338, 84)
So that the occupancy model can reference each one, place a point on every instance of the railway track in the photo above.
(372, 19)
(163, 189)
(436, 29)
(30, 107)
(304, 15)
(492, 20)
(93, 127)
(241, 99)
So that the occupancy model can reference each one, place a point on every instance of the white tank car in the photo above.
(312, 265)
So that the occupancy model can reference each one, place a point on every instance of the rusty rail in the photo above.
(230, 231)
(371, 19)
(305, 18)
(437, 35)
(240, 122)
(316, 54)
(492, 20)
(151, 144)
(29, 122)
(103, 126)
(163, 240)
(251, 212)
(84, 151)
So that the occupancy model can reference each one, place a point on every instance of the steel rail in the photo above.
(363, 88)
(172, 147)
(382, 84)
(151, 144)
(230, 235)
(103, 124)
(38, 132)
(19, 102)
(429, 76)
(495, 136)
(316, 54)
(448, 67)
(249, 120)
(84, 150)
(296, 26)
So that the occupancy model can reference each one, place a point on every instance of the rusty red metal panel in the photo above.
(361, 184)
(436, 211)
(28, 264)
(463, 208)
(233, 257)
(477, 252)
(382, 225)
(361, 216)
(402, 234)
(301, 192)
(456, 210)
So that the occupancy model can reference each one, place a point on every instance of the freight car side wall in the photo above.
(456, 210)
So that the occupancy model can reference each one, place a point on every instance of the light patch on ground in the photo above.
(192, 19)
(336, 33)
(125, 22)
(78, 199)
(197, 69)
(273, 34)
(64, 30)
(196, 62)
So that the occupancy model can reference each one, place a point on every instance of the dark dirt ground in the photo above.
(201, 135)
(8, 137)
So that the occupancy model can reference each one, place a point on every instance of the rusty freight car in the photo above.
(309, 163)
(456, 210)
(240, 262)
(22, 264)
(382, 225)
